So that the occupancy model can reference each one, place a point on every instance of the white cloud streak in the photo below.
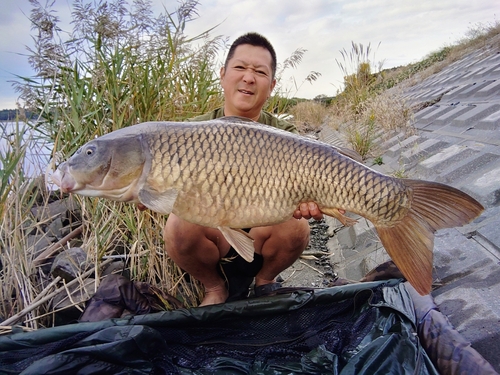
(407, 31)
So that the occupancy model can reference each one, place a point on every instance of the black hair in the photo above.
(254, 39)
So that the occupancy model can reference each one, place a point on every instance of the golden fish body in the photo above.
(246, 175)
(231, 173)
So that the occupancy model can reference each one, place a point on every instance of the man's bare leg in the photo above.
(198, 250)
(280, 246)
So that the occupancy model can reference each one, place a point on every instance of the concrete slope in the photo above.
(458, 143)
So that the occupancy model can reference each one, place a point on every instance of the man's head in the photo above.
(248, 76)
(256, 40)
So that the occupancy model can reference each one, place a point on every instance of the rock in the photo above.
(55, 228)
(79, 292)
(39, 242)
(69, 309)
(70, 263)
(60, 208)
(114, 267)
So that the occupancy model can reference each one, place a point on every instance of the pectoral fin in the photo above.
(240, 240)
(161, 202)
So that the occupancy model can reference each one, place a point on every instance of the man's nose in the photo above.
(249, 76)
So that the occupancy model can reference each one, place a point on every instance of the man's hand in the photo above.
(310, 210)
(307, 211)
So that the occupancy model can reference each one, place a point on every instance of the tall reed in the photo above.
(118, 66)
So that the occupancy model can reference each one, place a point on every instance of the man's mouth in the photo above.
(245, 92)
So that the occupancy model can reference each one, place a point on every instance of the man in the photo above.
(247, 78)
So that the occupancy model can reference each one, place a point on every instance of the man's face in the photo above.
(247, 81)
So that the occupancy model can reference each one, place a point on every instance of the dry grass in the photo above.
(119, 66)
(366, 108)
(375, 118)
(480, 37)
(99, 80)
(309, 116)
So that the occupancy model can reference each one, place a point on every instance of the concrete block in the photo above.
(455, 255)
(485, 184)
(491, 122)
(475, 72)
(488, 60)
(452, 94)
(359, 236)
(480, 135)
(449, 79)
(491, 233)
(441, 156)
(426, 111)
(479, 112)
(464, 169)
(373, 259)
(471, 304)
(473, 89)
(444, 159)
(438, 111)
(407, 143)
(392, 142)
(490, 71)
(455, 111)
(422, 150)
(492, 88)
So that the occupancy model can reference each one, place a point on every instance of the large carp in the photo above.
(231, 173)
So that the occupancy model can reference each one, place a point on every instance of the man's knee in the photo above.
(303, 232)
(177, 235)
(291, 236)
(182, 236)
(296, 234)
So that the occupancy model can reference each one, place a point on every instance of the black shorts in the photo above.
(234, 265)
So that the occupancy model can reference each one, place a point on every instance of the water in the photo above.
(38, 150)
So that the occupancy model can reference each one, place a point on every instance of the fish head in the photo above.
(104, 167)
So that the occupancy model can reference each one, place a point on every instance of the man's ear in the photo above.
(273, 83)
(222, 73)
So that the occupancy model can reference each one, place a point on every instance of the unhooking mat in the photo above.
(365, 328)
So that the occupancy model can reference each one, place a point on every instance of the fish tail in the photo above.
(410, 241)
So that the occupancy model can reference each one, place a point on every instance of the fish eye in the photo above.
(89, 150)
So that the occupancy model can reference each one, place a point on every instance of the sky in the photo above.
(399, 32)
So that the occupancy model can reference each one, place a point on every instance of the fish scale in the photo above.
(231, 173)
(266, 170)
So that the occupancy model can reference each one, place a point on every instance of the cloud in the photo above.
(15, 28)
(407, 31)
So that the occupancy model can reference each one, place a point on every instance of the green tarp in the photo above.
(361, 328)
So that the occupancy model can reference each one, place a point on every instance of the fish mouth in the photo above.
(63, 179)
(56, 177)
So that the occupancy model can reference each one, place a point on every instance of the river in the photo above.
(38, 150)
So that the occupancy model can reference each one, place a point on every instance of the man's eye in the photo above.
(261, 72)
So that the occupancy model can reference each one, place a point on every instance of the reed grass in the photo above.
(364, 110)
(309, 116)
(16, 288)
(120, 65)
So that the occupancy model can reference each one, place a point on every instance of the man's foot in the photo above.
(215, 295)
(267, 289)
